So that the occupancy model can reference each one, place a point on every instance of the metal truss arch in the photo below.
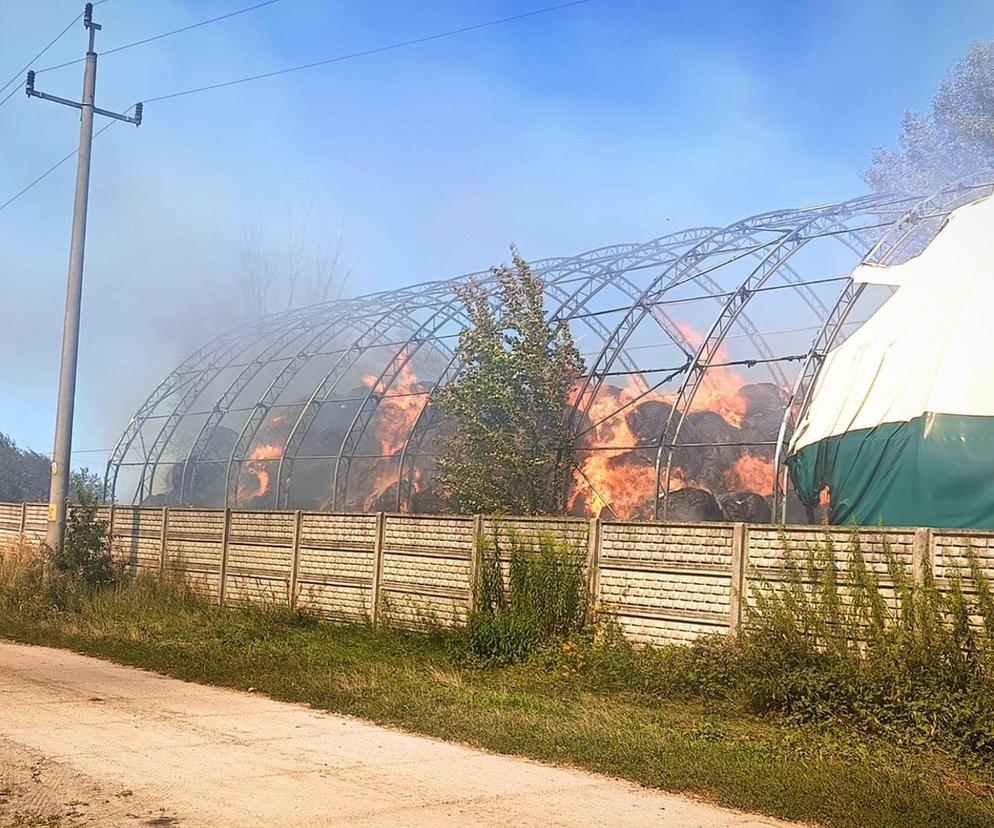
(889, 248)
(311, 393)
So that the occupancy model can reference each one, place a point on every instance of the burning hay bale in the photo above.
(747, 507)
(721, 467)
(646, 420)
(723, 447)
(693, 505)
(764, 412)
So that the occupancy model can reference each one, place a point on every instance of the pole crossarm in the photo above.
(135, 119)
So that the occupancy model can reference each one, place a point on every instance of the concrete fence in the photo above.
(663, 582)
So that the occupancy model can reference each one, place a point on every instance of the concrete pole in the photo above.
(59, 491)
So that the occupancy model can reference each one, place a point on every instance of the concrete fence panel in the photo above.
(662, 582)
(666, 582)
(192, 550)
(426, 569)
(136, 539)
(259, 558)
(10, 521)
(335, 566)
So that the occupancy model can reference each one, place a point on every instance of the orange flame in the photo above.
(259, 470)
(603, 478)
(395, 416)
(751, 473)
(720, 387)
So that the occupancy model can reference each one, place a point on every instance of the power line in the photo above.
(163, 35)
(56, 165)
(339, 58)
(27, 66)
(366, 52)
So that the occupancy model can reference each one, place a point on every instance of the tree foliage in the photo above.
(24, 474)
(85, 485)
(510, 449)
(954, 139)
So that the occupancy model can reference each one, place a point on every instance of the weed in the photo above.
(542, 597)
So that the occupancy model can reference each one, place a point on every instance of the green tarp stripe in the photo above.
(934, 470)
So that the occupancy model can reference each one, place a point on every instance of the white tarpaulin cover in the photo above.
(928, 352)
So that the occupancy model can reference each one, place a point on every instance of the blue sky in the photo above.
(613, 121)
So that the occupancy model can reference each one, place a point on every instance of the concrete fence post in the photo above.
(163, 536)
(921, 554)
(225, 531)
(298, 518)
(594, 563)
(740, 561)
(474, 559)
(24, 523)
(110, 529)
(374, 610)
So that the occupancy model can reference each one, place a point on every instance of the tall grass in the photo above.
(21, 569)
(536, 593)
(909, 657)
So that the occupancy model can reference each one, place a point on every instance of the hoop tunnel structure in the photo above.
(701, 348)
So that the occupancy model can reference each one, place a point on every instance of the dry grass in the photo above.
(598, 714)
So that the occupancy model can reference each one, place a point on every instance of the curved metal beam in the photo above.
(887, 248)
(369, 338)
(771, 265)
(276, 388)
(357, 428)
(576, 301)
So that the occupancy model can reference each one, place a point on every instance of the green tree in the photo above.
(954, 139)
(24, 474)
(85, 485)
(510, 448)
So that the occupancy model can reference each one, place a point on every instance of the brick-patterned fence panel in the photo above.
(10, 521)
(259, 558)
(768, 559)
(36, 522)
(426, 569)
(136, 539)
(336, 558)
(662, 582)
(528, 531)
(666, 582)
(193, 549)
(766, 547)
(950, 553)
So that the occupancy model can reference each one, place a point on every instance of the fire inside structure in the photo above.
(702, 348)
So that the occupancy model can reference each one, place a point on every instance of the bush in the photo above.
(908, 661)
(543, 597)
(84, 559)
(915, 663)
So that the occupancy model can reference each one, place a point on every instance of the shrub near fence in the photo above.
(662, 583)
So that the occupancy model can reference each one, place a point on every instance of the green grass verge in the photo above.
(559, 707)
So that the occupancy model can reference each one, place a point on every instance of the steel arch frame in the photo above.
(421, 315)
(325, 388)
(604, 276)
(281, 382)
(770, 266)
(882, 252)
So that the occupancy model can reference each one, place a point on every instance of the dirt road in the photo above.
(85, 742)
